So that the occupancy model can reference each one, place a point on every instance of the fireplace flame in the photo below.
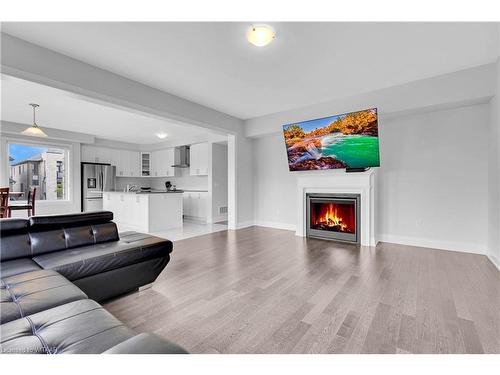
(331, 218)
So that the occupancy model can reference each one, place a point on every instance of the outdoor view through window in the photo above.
(40, 167)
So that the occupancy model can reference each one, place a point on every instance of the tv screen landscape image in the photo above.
(349, 140)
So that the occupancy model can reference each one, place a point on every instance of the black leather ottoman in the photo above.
(32, 292)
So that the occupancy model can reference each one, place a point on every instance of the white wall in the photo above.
(219, 180)
(274, 186)
(244, 181)
(494, 173)
(440, 92)
(432, 186)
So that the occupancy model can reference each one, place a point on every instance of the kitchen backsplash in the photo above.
(183, 182)
(122, 182)
(187, 182)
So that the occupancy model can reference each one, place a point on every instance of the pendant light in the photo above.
(34, 130)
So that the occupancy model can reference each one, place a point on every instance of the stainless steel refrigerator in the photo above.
(96, 178)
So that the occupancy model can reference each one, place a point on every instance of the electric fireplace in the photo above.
(333, 216)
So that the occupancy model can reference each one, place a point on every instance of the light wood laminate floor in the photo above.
(262, 290)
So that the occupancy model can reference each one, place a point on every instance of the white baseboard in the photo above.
(494, 260)
(245, 224)
(271, 224)
(462, 247)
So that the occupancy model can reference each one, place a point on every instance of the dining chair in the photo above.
(4, 202)
(30, 206)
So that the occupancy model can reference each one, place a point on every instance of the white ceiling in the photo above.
(62, 110)
(213, 64)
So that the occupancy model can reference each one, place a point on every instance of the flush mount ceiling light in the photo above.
(162, 135)
(34, 130)
(260, 35)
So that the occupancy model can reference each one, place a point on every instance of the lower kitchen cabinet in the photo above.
(195, 205)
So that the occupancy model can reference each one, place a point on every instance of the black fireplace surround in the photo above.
(53, 269)
(333, 217)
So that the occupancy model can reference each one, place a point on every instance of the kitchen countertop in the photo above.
(195, 191)
(146, 192)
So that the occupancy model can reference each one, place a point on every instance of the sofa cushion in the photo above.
(48, 222)
(35, 291)
(17, 266)
(23, 238)
(46, 241)
(85, 261)
(77, 327)
(15, 239)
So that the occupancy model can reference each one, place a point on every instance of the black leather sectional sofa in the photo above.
(53, 269)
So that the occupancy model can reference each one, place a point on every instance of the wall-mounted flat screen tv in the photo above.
(349, 140)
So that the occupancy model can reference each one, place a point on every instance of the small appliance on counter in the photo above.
(169, 186)
(131, 188)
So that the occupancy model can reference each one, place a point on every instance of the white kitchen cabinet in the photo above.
(135, 164)
(91, 154)
(169, 161)
(195, 205)
(114, 157)
(144, 212)
(198, 159)
(88, 154)
(145, 164)
(156, 161)
(162, 161)
(95, 154)
(127, 162)
(122, 163)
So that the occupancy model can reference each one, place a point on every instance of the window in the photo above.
(42, 167)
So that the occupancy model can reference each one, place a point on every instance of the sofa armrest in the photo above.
(146, 343)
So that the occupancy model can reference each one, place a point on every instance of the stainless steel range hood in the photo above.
(181, 156)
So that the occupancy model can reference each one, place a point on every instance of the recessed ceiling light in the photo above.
(162, 135)
(260, 35)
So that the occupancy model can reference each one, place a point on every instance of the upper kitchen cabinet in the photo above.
(93, 154)
(145, 164)
(161, 163)
(128, 163)
(198, 159)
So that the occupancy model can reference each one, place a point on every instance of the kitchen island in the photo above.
(145, 211)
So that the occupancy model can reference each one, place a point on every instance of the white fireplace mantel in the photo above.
(362, 183)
